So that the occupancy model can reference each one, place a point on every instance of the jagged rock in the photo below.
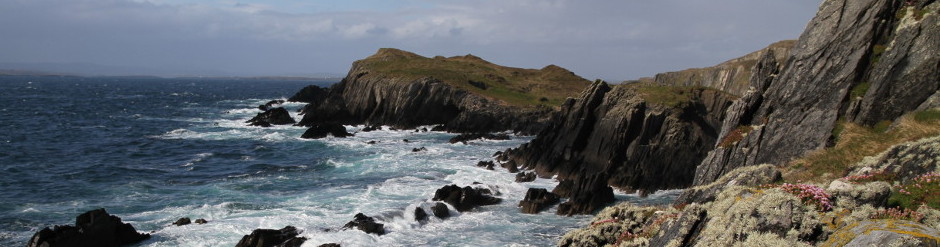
(585, 194)
(182, 221)
(640, 145)
(201, 221)
(684, 230)
(267, 106)
(510, 166)
(419, 149)
(276, 116)
(440, 210)
(885, 233)
(745, 176)
(284, 237)
(92, 228)
(321, 131)
(523, 177)
(466, 198)
(536, 200)
(486, 164)
(464, 138)
(833, 62)
(420, 215)
(366, 224)
(310, 94)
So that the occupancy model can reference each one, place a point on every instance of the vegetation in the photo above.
(859, 90)
(854, 142)
(672, 96)
(520, 87)
(924, 189)
(736, 135)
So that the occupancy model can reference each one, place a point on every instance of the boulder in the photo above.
(420, 214)
(486, 164)
(523, 177)
(510, 166)
(371, 128)
(440, 210)
(536, 200)
(284, 237)
(322, 130)
(201, 221)
(92, 228)
(276, 116)
(464, 138)
(366, 224)
(466, 198)
(182, 222)
(415, 150)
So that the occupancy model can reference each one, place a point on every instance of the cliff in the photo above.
(731, 76)
(632, 136)
(858, 61)
(464, 93)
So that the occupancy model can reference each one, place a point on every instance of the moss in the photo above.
(741, 212)
(882, 126)
(927, 116)
(859, 90)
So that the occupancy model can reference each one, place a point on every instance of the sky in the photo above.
(597, 39)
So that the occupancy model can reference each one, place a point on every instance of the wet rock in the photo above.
(322, 130)
(510, 166)
(267, 106)
(284, 237)
(201, 221)
(586, 194)
(536, 200)
(92, 228)
(276, 116)
(464, 138)
(330, 245)
(371, 128)
(419, 149)
(523, 177)
(438, 128)
(366, 224)
(371, 142)
(182, 221)
(420, 215)
(486, 164)
(466, 198)
(440, 210)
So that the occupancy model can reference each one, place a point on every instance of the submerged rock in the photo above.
(285, 237)
(466, 198)
(536, 200)
(182, 221)
(201, 221)
(486, 164)
(322, 130)
(464, 138)
(366, 224)
(276, 116)
(92, 228)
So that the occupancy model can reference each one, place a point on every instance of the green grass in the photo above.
(931, 115)
(859, 90)
(924, 189)
(518, 87)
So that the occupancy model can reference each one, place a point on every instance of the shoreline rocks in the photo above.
(537, 200)
(466, 198)
(366, 224)
(284, 237)
(92, 228)
(275, 116)
(322, 130)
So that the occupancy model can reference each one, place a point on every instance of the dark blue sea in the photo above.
(153, 150)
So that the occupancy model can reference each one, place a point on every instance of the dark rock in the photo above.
(371, 142)
(366, 224)
(537, 200)
(321, 131)
(523, 177)
(586, 194)
(438, 128)
(92, 228)
(464, 138)
(330, 245)
(440, 210)
(684, 230)
(405, 140)
(276, 116)
(285, 237)
(419, 149)
(201, 221)
(486, 164)
(510, 166)
(424, 129)
(466, 198)
(477, 84)
(182, 221)
(371, 128)
(420, 214)
(310, 94)
(267, 106)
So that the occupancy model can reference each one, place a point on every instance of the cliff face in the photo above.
(864, 61)
(731, 76)
(465, 94)
(634, 137)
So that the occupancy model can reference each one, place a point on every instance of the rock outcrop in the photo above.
(404, 90)
(322, 130)
(464, 199)
(274, 116)
(633, 137)
(92, 228)
(366, 224)
(284, 237)
(536, 200)
(857, 61)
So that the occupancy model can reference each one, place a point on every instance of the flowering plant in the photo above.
(899, 214)
(809, 193)
(924, 189)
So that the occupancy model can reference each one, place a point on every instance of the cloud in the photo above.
(595, 38)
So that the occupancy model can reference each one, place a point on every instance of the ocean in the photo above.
(152, 150)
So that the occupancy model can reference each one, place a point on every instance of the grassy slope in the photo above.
(515, 86)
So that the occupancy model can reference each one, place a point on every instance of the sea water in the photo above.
(153, 150)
